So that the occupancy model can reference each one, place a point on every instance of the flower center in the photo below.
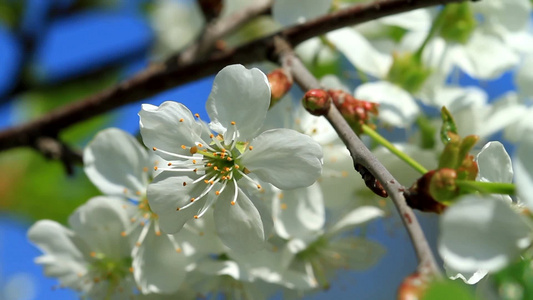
(108, 270)
(216, 164)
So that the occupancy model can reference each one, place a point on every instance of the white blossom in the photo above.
(205, 169)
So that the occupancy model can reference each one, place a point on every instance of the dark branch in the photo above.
(158, 78)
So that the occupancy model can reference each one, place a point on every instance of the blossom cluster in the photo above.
(263, 198)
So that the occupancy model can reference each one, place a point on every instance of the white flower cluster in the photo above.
(259, 201)
(226, 207)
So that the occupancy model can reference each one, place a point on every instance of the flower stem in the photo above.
(437, 24)
(385, 143)
(487, 187)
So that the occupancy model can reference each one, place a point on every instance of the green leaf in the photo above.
(448, 125)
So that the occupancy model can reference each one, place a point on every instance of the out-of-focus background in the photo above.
(53, 52)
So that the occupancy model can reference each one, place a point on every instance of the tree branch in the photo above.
(361, 155)
(160, 77)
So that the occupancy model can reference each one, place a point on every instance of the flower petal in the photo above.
(100, 223)
(115, 161)
(356, 217)
(239, 226)
(299, 211)
(366, 58)
(494, 163)
(523, 168)
(285, 158)
(167, 193)
(62, 257)
(482, 233)
(169, 126)
(155, 260)
(239, 95)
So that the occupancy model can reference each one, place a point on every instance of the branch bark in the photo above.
(361, 155)
(160, 77)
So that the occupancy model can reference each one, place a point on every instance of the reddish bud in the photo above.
(442, 186)
(413, 287)
(356, 112)
(316, 101)
(280, 83)
(419, 196)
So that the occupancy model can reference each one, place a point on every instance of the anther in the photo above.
(178, 250)
(181, 120)
(211, 136)
(192, 199)
(237, 166)
(123, 233)
(145, 169)
(138, 193)
(197, 115)
(196, 217)
(178, 209)
(131, 269)
(251, 147)
(184, 183)
(154, 148)
(215, 168)
(217, 193)
(232, 202)
(259, 186)
(158, 233)
(194, 161)
(232, 122)
(193, 150)
(183, 147)
(169, 164)
(200, 145)
(137, 244)
(229, 158)
(155, 168)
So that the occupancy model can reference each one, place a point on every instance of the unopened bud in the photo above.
(356, 112)
(442, 186)
(280, 84)
(317, 102)
(419, 196)
(413, 287)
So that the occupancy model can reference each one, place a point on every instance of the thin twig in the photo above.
(221, 28)
(361, 155)
(160, 77)
(52, 148)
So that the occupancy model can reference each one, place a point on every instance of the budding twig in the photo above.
(362, 156)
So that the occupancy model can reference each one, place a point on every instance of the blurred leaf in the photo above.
(516, 281)
(38, 188)
(446, 290)
(427, 132)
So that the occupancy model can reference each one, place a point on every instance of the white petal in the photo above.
(494, 163)
(114, 160)
(239, 226)
(477, 57)
(467, 277)
(523, 168)
(356, 218)
(356, 253)
(524, 76)
(288, 12)
(419, 19)
(161, 127)
(397, 107)
(158, 267)
(167, 193)
(482, 233)
(360, 52)
(239, 95)
(285, 158)
(100, 223)
(299, 211)
(62, 258)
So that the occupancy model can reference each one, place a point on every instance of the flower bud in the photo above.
(280, 83)
(419, 196)
(356, 112)
(408, 72)
(413, 287)
(317, 102)
(442, 186)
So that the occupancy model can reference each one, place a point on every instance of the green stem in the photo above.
(383, 141)
(487, 187)
(435, 27)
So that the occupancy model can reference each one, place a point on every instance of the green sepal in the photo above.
(448, 125)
